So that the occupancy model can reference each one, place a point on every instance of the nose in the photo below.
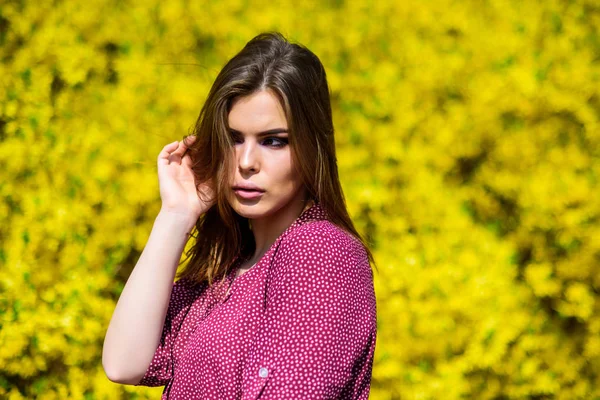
(248, 157)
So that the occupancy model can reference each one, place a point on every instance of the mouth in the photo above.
(248, 194)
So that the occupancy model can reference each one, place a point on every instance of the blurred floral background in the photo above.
(468, 145)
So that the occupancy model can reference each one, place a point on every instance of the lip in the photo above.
(248, 190)
(248, 186)
(248, 194)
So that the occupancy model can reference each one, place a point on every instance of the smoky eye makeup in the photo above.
(275, 141)
(235, 136)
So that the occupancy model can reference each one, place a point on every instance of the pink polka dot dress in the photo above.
(299, 324)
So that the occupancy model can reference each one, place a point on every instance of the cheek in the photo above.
(292, 178)
(287, 173)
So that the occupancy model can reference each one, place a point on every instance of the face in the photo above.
(264, 182)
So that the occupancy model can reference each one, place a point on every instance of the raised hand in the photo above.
(178, 189)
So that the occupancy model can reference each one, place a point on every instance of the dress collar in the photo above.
(313, 213)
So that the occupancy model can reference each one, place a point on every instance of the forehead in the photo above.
(256, 112)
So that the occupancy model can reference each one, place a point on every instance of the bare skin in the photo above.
(261, 159)
(137, 322)
(264, 159)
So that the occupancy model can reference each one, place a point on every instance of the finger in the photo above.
(189, 140)
(169, 148)
(187, 161)
(182, 148)
(163, 156)
(177, 155)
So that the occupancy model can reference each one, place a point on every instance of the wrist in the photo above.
(181, 221)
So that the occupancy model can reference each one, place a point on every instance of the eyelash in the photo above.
(282, 141)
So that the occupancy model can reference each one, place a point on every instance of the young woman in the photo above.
(277, 299)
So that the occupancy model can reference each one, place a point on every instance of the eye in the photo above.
(275, 141)
(237, 138)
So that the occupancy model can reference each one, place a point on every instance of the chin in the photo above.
(249, 208)
(254, 209)
(250, 212)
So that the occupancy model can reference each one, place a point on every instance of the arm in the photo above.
(317, 338)
(137, 323)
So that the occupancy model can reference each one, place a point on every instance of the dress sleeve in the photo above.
(317, 338)
(160, 370)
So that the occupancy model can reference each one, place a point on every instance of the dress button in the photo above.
(263, 372)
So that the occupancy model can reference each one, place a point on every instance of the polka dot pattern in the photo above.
(301, 323)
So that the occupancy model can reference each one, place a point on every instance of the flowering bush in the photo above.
(468, 145)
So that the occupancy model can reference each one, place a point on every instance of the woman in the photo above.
(277, 300)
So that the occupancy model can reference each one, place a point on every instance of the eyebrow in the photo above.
(263, 133)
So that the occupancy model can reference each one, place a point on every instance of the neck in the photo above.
(266, 230)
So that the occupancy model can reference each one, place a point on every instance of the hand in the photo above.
(178, 190)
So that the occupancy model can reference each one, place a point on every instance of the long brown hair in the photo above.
(296, 76)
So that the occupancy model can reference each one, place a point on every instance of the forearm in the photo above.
(137, 322)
